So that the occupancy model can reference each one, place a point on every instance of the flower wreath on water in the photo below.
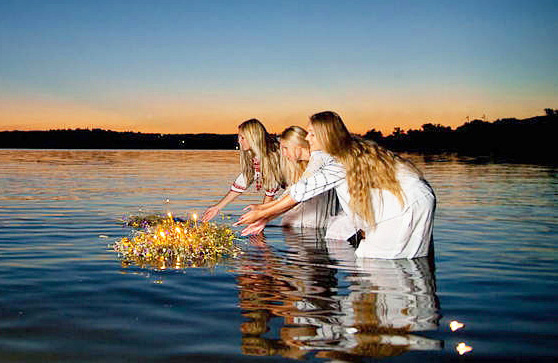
(164, 242)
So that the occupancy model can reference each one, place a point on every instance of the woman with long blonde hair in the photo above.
(387, 204)
(259, 162)
(297, 163)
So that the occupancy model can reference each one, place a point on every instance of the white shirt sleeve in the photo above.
(239, 185)
(327, 176)
(272, 192)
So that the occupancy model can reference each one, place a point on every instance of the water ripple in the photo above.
(291, 294)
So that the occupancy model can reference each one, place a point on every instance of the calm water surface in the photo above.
(292, 295)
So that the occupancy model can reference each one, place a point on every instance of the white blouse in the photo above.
(399, 231)
(240, 185)
(317, 211)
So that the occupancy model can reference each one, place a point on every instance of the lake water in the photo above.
(65, 296)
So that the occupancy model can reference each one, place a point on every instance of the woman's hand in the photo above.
(254, 228)
(249, 217)
(210, 213)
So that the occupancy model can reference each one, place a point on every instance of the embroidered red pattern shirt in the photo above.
(240, 185)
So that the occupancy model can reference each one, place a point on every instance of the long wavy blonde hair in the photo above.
(368, 165)
(264, 147)
(293, 170)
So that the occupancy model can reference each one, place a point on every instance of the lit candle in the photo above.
(195, 217)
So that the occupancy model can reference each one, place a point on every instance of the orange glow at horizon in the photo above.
(202, 116)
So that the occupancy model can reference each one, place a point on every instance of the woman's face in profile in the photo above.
(290, 150)
(311, 138)
(243, 142)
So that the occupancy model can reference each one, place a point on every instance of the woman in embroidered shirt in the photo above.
(385, 199)
(260, 165)
(297, 163)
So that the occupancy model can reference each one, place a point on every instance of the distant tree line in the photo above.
(531, 139)
(106, 139)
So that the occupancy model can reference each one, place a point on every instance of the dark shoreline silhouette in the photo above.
(510, 139)
(107, 139)
(529, 140)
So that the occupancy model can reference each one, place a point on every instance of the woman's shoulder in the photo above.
(321, 157)
(406, 174)
(320, 160)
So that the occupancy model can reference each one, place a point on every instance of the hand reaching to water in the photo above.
(210, 213)
(249, 218)
(254, 228)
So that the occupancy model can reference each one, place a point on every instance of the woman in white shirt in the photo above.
(260, 165)
(297, 164)
(386, 201)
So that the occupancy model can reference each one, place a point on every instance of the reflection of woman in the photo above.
(296, 165)
(271, 288)
(384, 197)
(318, 297)
(259, 160)
(404, 290)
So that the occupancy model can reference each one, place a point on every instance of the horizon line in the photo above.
(213, 133)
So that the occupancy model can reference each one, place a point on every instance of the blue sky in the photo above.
(195, 66)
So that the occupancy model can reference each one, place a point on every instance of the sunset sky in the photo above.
(205, 66)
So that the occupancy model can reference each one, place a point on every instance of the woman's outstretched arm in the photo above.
(270, 211)
(266, 204)
(214, 210)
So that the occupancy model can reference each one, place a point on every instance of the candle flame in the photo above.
(463, 348)
(195, 216)
(455, 325)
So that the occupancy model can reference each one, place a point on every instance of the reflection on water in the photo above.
(316, 296)
(66, 297)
